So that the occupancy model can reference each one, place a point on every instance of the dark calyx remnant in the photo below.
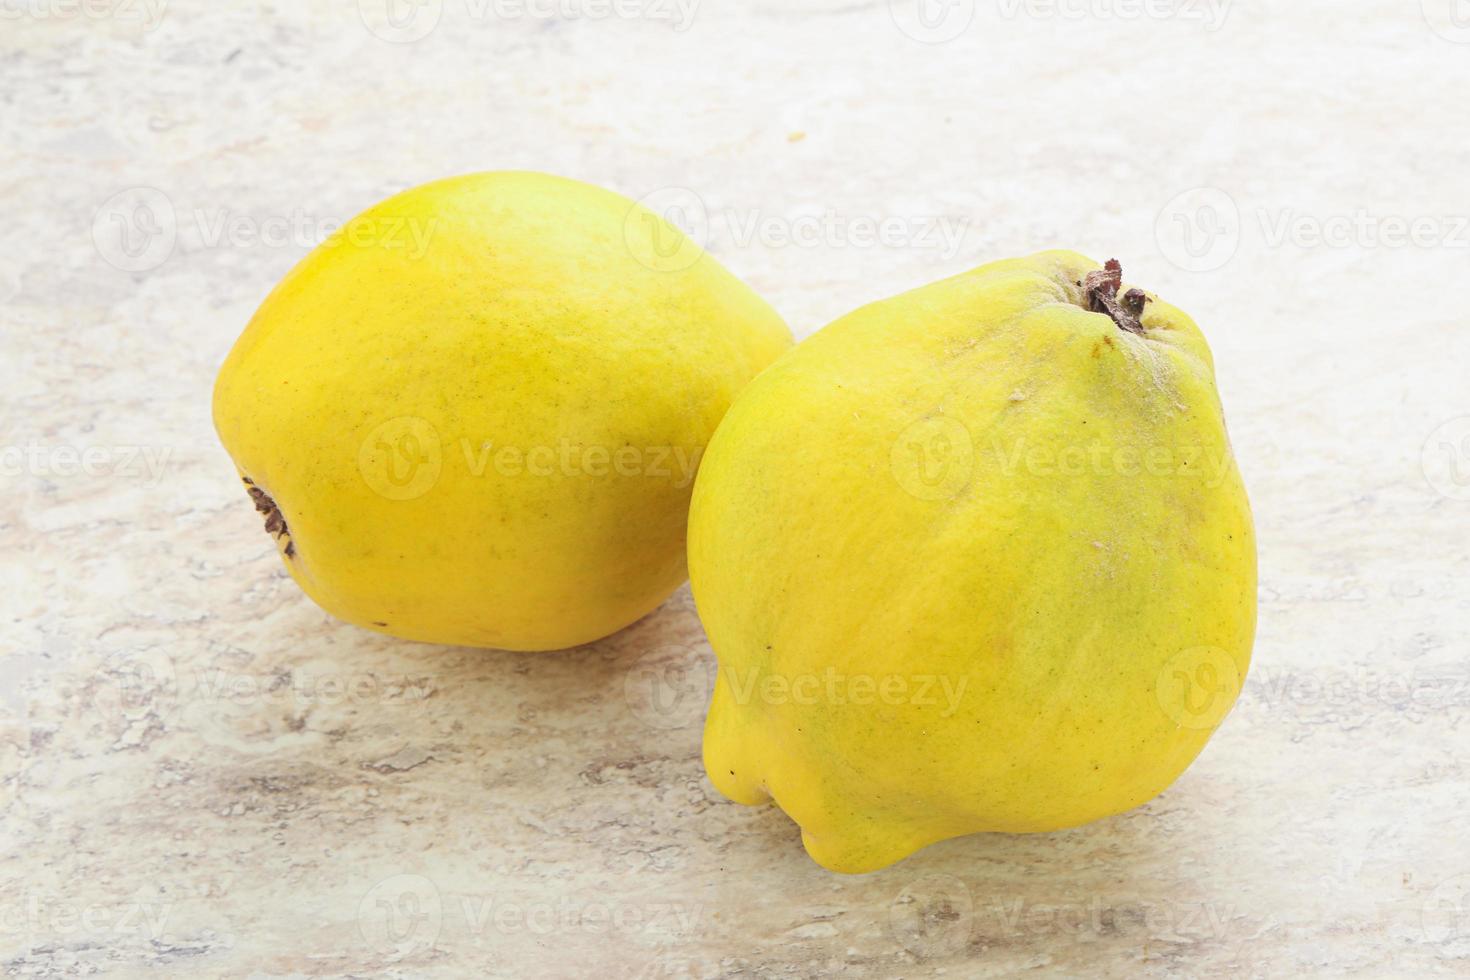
(275, 522)
(1100, 290)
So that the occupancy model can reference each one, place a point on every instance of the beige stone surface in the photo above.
(203, 775)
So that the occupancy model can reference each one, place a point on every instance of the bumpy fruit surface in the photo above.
(974, 558)
(474, 415)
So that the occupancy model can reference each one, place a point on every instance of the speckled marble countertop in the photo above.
(203, 775)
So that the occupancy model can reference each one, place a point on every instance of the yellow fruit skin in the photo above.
(900, 500)
(480, 405)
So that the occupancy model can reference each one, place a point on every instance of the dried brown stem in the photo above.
(1100, 288)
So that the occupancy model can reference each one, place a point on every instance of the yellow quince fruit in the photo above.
(474, 415)
(973, 558)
